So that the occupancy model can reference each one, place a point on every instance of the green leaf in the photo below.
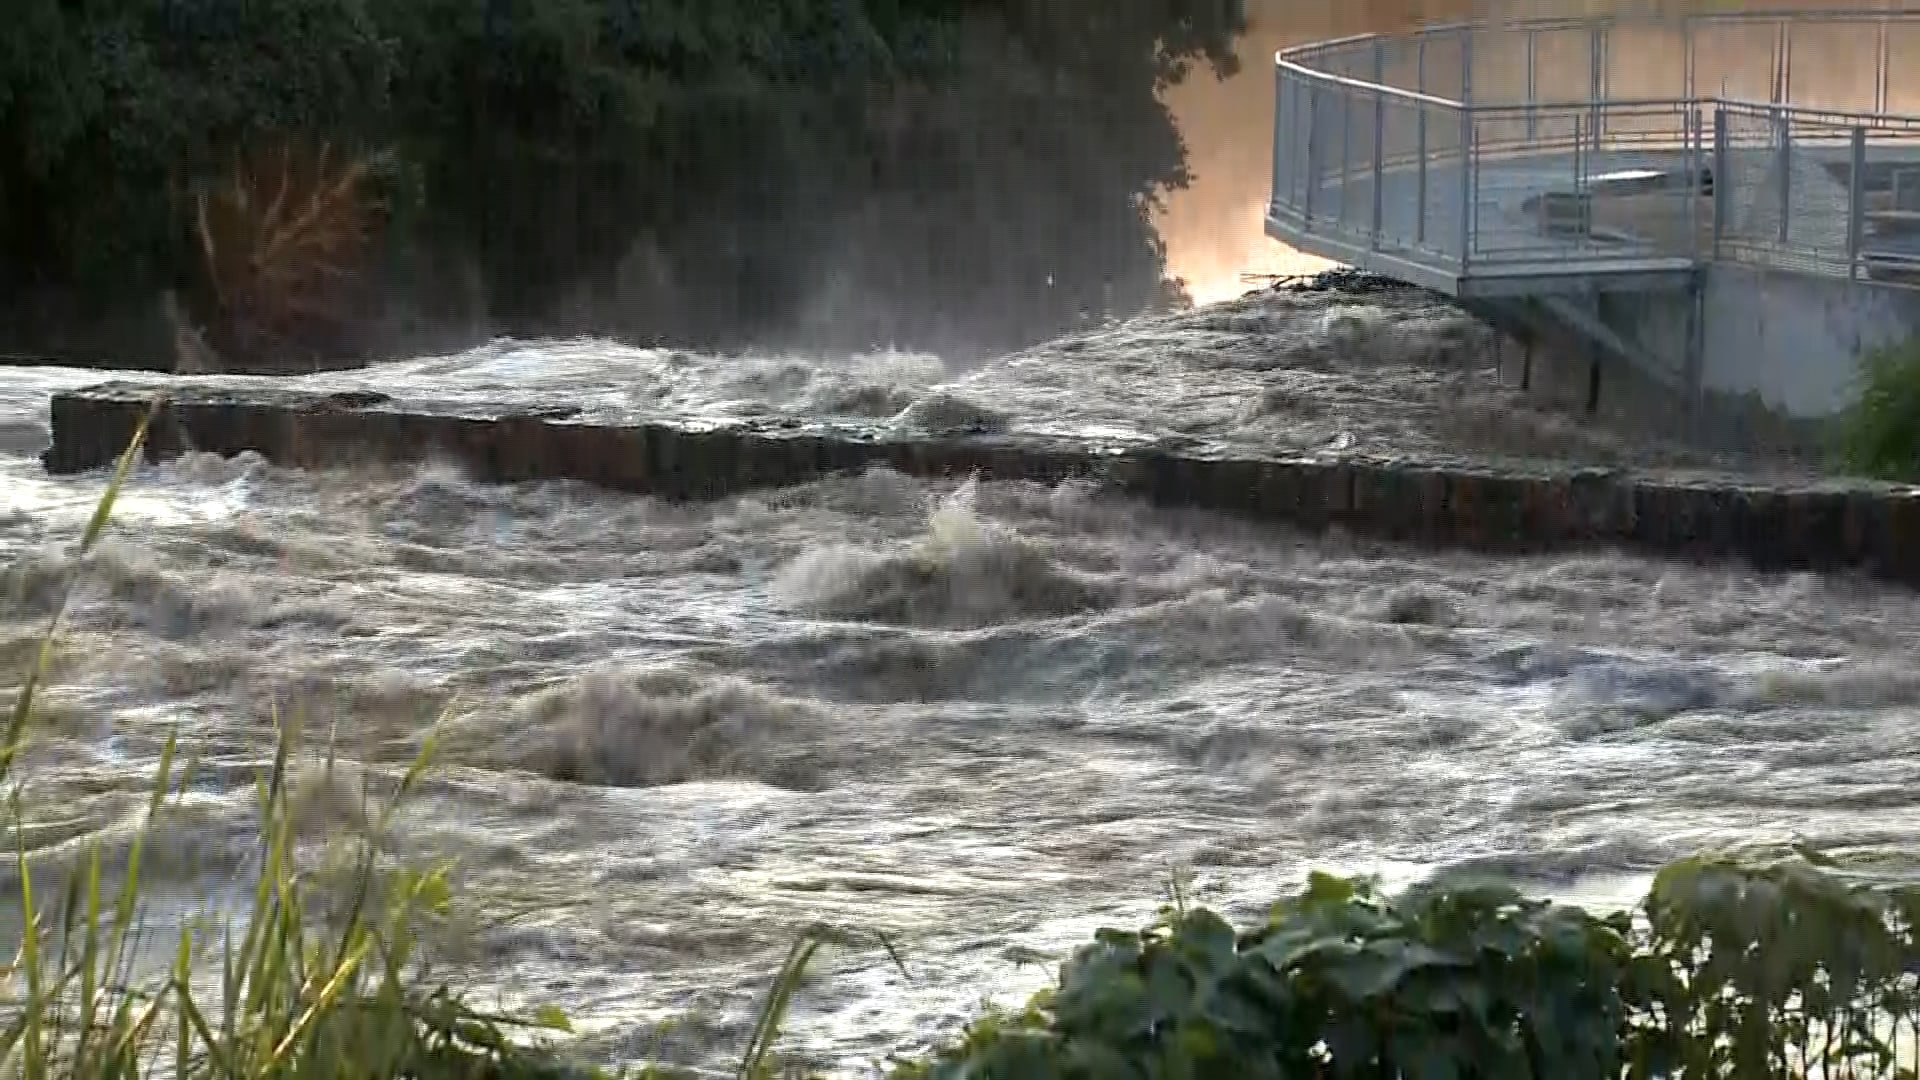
(552, 1017)
(1379, 966)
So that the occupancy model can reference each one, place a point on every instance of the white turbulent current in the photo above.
(984, 718)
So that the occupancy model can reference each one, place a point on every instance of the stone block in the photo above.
(1813, 527)
(1336, 490)
(1488, 511)
(1395, 502)
(1899, 554)
(1290, 490)
(1232, 485)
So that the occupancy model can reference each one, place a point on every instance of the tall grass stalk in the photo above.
(296, 994)
(43, 658)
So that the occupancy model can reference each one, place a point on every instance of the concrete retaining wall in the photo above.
(1795, 340)
(1875, 528)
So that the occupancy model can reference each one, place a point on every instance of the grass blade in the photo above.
(43, 658)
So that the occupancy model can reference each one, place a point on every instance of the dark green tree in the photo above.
(957, 173)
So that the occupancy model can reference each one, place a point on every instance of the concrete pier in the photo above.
(1875, 528)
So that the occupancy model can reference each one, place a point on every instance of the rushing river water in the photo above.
(985, 718)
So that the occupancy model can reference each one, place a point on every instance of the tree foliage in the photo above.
(978, 171)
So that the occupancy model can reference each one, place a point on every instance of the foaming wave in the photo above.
(653, 727)
(1846, 685)
(943, 413)
(123, 585)
(964, 573)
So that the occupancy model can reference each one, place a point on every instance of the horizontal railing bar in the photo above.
(1323, 78)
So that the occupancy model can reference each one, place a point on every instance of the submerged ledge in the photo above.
(1875, 528)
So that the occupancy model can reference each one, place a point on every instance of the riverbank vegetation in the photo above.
(1880, 433)
(974, 173)
(1758, 967)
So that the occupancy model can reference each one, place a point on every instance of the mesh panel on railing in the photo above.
(1402, 163)
(1283, 193)
(1356, 204)
(1293, 139)
(1788, 191)
(1442, 193)
(1322, 161)
(1524, 157)
(1747, 183)
(1818, 174)
(1559, 191)
(1890, 207)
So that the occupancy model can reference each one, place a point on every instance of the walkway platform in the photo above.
(1501, 165)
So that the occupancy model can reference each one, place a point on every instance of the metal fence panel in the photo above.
(1887, 223)
(1747, 184)
(1443, 188)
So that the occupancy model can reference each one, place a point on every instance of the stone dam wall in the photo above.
(1873, 528)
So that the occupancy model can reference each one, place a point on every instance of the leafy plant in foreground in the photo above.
(1339, 981)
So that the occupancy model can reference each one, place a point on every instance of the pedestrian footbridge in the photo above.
(1721, 204)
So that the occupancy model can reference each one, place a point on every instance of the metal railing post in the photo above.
(1533, 85)
(1596, 81)
(1687, 61)
(1693, 182)
(1420, 167)
(1785, 122)
(1379, 134)
(1721, 180)
(1856, 213)
(1579, 187)
(1281, 131)
(1786, 62)
(1346, 149)
(1779, 88)
(1881, 60)
(1466, 148)
(1466, 64)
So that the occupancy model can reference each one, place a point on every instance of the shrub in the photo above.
(1880, 435)
(1733, 968)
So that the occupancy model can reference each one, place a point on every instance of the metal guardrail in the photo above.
(1760, 138)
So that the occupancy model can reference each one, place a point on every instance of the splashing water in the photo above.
(983, 717)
